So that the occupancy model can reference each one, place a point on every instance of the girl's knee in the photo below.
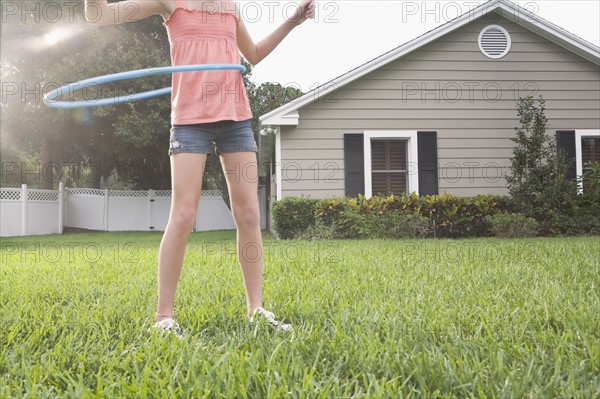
(247, 216)
(183, 217)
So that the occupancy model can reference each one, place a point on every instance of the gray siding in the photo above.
(449, 87)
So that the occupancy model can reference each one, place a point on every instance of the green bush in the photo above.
(591, 180)
(317, 231)
(386, 217)
(481, 207)
(587, 205)
(441, 215)
(349, 218)
(536, 181)
(512, 225)
(458, 217)
(292, 216)
(355, 222)
(330, 210)
(587, 215)
(398, 224)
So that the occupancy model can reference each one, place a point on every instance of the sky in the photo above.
(348, 33)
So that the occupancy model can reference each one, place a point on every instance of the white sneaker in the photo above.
(269, 317)
(168, 326)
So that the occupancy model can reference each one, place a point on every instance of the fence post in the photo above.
(105, 221)
(61, 215)
(65, 207)
(24, 209)
(151, 209)
(262, 202)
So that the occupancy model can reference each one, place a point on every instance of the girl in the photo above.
(210, 112)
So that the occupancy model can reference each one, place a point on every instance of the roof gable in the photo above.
(288, 113)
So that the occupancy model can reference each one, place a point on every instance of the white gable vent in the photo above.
(494, 41)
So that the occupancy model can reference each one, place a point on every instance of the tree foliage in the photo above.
(112, 146)
(266, 97)
(537, 182)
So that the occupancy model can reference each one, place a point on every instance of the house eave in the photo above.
(277, 119)
(551, 32)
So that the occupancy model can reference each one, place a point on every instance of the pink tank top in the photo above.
(203, 37)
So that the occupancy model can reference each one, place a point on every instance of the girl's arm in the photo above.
(99, 12)
(256, 52)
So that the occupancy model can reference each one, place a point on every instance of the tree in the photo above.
(537, 182)
(127, 142)
(30, 131)
(267, 97)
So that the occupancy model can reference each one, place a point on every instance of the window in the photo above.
(587, 149)
(390, 162)
(388, 167)
(590, 152)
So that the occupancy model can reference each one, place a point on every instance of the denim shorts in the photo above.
(215, 137)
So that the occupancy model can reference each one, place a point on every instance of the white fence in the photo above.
(31, 212)
(34, 212)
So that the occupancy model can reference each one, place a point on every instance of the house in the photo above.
(437, 114)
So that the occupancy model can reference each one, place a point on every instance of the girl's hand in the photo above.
(256, 52)
(306, 10)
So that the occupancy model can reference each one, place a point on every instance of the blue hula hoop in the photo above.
(49, 98)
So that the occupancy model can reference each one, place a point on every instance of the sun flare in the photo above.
(56, 36)
(52, 38)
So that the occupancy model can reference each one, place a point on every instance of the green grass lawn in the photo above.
(431, 318)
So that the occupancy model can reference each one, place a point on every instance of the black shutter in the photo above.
(428, 173)
(565, 140)
(354, 160)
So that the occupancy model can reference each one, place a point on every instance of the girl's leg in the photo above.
(241, 172)
(186, 179)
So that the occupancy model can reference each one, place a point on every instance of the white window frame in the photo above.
(412, 155)
(579, 134)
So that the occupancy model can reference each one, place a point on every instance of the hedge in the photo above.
(386, 217)
(441, 215)
(292, 216)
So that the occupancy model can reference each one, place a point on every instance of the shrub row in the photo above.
(408, 216)
(412, 216)
(386, 217)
